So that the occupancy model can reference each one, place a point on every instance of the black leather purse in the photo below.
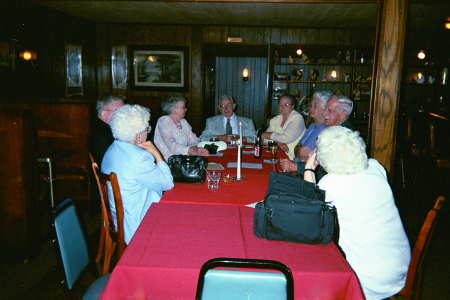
(294, 210)
(188, 168)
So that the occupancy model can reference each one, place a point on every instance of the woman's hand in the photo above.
(194, 150)
(288, 165)
(150, 147)
(202, 151)
(266, 135)
(311, 164)
(283, 146)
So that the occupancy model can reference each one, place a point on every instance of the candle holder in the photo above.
(242, 178)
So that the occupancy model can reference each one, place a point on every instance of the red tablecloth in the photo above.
(164, 257)
(252, 189)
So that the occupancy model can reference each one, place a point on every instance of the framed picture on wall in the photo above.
(74, 71)
(119, 70)
(7, 54)
(160, 68)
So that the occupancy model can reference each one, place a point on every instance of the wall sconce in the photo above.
(28, 55)
(333, 75)
(299, 51)
(245, 74)
(446, 25)
(421, 54)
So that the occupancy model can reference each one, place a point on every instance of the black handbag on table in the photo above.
(188, 168)
(294, 210)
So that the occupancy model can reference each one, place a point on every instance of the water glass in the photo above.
(213, 178)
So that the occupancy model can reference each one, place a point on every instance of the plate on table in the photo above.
(221, 144)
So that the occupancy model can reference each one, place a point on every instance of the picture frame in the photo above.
(7, 54)
(74, 71)
(119, 67)
(159, 68)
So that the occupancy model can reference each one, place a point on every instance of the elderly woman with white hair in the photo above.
(142, 172)
(371, 232)
(307, 143)
(173, 134)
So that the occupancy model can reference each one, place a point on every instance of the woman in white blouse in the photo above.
(173, 134)
(371, 231)
(288, 127)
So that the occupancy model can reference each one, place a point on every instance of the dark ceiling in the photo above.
(424, 14)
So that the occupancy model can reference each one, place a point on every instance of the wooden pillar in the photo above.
(391, 28)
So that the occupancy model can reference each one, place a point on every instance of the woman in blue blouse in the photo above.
(142, 172)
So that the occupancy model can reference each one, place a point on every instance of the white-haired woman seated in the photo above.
(143, 174)
(371, 232)
(173, 134)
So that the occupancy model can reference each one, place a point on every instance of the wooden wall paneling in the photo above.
(103, 53)
(211, 34)
(303, 36)
(248, 34)
(234, 31)
(267, 35)
(275, 36)
(19, 228)
(338, 37)
(326, 36)
(242, 88)
(170, 35)
(195, 94)
(313, 36)
(292, 35)
(392, 28)
(260, 92)
(259, 36)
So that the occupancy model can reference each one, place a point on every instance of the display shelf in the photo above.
(339, 69)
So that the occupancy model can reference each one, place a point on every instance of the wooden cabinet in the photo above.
(340, 69)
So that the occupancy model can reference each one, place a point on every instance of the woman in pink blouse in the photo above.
(173, 134)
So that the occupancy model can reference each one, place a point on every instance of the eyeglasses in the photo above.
(226, 105)
(284, 104)
(148, 129)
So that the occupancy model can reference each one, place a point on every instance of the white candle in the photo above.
(239, 152)
(240, 133)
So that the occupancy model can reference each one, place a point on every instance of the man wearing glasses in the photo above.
(288, 127)
(101, 136)
(337, 112)
(224, 126)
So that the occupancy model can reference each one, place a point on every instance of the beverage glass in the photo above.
(213, 178)
(233, 140)
(273, 148)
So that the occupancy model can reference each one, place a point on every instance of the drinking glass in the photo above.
(233, 140)
(213, 179)
(273, 148)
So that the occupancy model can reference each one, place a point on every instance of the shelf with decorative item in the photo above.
(309, 81)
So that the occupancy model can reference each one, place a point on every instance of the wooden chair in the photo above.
(411, 291)
(110, 237)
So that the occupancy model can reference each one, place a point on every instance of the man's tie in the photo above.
(228, 127)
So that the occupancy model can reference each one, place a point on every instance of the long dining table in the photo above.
(192, 224)
(253, 189)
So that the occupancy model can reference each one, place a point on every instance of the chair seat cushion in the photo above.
(95, 291)
(228, 284)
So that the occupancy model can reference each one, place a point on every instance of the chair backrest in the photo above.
(238, 284)
(71, 241)
(414, 275)
(116, 233)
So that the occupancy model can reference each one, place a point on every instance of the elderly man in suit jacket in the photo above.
(225, 125)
